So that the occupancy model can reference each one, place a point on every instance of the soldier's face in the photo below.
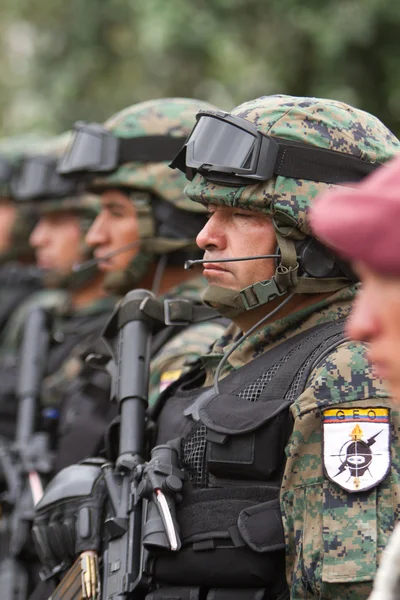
(234, 233)
(114, 228)
(376, 319)
(57, 240)
(7, 219)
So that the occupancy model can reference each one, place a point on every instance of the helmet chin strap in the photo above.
(231, 303)
(286, 279)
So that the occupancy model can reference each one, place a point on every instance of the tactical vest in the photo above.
(232, 447)
(87, 411)
(16, 283)
(76, 330)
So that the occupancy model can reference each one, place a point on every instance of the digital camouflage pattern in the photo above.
(323, 123)
(173, 117)
(334, 539)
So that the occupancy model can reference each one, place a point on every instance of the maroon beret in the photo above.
(362, 223)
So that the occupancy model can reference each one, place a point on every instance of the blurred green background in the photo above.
(61, 61)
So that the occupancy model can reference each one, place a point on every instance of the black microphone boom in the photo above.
(92, 262)
(189, 264)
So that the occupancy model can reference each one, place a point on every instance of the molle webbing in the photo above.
(288, 366)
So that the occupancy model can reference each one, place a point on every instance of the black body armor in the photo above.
(233, 449)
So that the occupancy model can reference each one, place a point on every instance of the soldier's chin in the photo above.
(53, 279)
(106, 266)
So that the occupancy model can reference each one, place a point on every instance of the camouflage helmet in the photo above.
(37, 186)
(168, 221)
(11, 153)
(325, 124)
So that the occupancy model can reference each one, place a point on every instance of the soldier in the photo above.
(58, 241)
(362, 225)
(144, 232)
(18, 276)
(285, 431)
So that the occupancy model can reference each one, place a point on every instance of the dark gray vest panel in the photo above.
(233, 448)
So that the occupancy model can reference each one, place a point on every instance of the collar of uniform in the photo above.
(336, 306)
(192, 289)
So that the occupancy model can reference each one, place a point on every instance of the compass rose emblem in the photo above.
(356, 447)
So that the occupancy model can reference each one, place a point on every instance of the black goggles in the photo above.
(229, 150)
(37, 179)
(95, 150)
(6, 170)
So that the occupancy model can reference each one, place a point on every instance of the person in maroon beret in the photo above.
(362, 225)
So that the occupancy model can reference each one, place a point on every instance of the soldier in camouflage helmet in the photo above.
(285, 432)
(147, 227)
(16, 226)
(331, 458)
(145, 230)
(18, 276)
(77, 301)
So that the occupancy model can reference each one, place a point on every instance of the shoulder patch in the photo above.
(356, 446)
(169, 377)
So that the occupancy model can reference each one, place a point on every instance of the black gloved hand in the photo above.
(68, 518)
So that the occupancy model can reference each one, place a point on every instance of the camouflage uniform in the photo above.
(334, 539)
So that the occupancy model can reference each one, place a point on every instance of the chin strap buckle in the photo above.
(261, 292)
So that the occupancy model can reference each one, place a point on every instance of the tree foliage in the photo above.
(85, 59)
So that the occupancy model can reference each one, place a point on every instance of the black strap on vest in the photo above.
(292, 355)
(174, 311)
(321, 340)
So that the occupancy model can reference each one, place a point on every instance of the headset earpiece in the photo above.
(317, 261)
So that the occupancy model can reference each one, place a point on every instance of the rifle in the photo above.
(26, 459)
(141, 514)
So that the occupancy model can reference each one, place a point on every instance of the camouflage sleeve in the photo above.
(172, 360)
(341, 484)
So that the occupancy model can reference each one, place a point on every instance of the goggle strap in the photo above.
(301, 161)
(155, 148)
